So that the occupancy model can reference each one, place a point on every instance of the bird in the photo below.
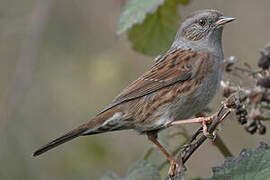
(179, 84)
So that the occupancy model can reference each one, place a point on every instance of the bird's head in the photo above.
(203, 27)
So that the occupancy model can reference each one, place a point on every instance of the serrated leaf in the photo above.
(142, 170)
(155, 35)
(250, 165)
(135, 11)
(110, 175)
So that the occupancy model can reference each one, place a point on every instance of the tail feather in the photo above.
(65, 138)
(107, 121)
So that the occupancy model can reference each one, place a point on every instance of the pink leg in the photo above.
(193, 120)
(202, 120)
(152, 136)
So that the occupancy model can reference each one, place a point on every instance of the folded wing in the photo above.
(174, 67)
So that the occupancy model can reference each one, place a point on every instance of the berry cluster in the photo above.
(250, 112)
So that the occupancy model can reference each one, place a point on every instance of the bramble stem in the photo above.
(222, 147)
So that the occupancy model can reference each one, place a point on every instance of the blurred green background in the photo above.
(61, 63)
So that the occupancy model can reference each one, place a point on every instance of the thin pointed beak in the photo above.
(224, 20)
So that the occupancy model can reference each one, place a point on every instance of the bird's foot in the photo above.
(175, 168)
(205, 129)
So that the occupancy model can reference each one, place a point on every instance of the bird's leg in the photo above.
(202, 120)
(152, 136)
(192, 120)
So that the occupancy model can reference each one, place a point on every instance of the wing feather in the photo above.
(174, 67)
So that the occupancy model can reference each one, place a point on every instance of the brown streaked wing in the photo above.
(174, 67)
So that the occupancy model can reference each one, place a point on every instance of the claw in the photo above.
(205, 130)
(212, 136)
(170, 177)
(173, 167)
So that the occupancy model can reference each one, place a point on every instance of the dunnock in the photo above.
(179, 84)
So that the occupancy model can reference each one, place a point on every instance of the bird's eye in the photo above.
(202, 22)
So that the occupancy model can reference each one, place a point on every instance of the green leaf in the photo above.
(109, 175)
(155, 35)
(135, 11)
(142, 170)
(251, 164)
(151, 24)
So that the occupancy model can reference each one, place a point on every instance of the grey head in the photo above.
(202, 30)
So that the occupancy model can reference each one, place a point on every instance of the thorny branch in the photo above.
(198, 138)
(248, 103)
(222, 147)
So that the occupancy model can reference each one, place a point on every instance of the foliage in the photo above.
(135, 12)
(141, 170)
(251, 164)
(150, 25)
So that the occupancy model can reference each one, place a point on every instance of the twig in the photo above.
(192, 147)
(222, 147)
(222, 114)
(250, 72)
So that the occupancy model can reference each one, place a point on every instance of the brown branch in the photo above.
(194, 144)
(222, 147)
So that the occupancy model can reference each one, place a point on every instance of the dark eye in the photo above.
(202, 22)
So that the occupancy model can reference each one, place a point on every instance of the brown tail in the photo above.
(89, 128)
(67, 137)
